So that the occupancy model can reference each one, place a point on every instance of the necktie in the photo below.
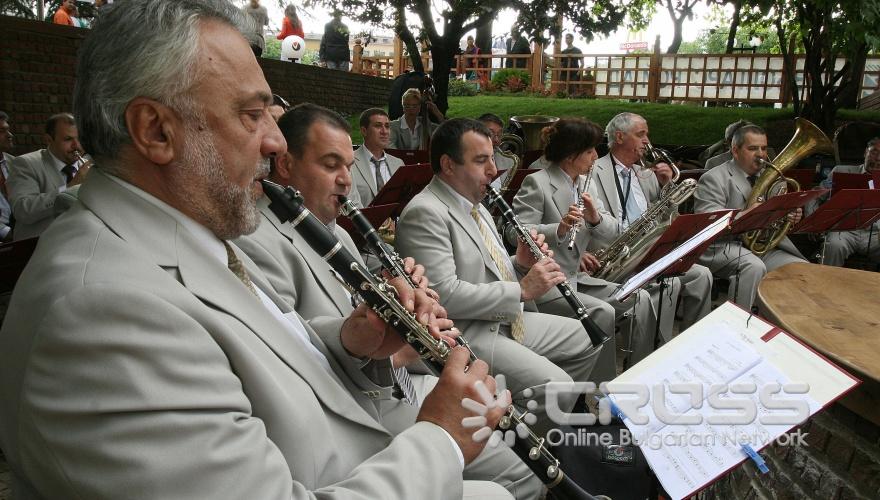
(238, 269)
(517, 329)
(631, 208)
(377, 166)
(69, 171)
(407, 390)
(752, 179)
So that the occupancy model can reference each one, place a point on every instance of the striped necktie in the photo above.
(517, 329)
(238, 269)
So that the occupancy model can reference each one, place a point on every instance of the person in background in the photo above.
(291, 24)
(256, 37)
(472, 62)
(406, 131)
(64, 14)
(334, 53)
(571, 65)
(6, 143)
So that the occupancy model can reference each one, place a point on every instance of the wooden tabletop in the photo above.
(834, 310)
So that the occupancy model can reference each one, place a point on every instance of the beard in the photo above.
(201, 183)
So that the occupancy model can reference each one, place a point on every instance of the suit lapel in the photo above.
(326, 280)
(560, 183)
(608, 184)
(464, 221)
(740, 183)
(362, 168)
(158, 236)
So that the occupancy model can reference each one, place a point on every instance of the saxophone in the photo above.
(621, 257)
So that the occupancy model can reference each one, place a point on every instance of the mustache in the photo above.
(262, 169)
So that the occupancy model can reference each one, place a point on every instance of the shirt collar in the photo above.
(205, 238)
(465, 203)
(405, 125)
(59, 165)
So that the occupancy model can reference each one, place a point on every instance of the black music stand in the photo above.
(406, 182)
(848, 210)
(376, 214)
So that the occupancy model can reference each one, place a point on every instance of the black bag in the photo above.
(618, 471)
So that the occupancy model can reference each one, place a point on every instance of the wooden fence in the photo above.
(745, 78)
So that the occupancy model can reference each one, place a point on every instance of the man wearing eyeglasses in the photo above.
(502, 163)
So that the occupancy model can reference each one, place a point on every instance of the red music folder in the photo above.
(772, 210)
(683, 228)
(406, 182)
(848, 210)
(410, 157)
(844, 180)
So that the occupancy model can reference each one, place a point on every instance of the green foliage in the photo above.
(461, 88)
(273, 48)
(520, 79)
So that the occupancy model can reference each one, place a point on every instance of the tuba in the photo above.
(807, 140)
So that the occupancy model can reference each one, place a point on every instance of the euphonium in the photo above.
(807, 140)
(621, 257)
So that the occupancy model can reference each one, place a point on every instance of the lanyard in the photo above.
(623, 199)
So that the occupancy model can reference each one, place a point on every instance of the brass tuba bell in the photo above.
(808, 139)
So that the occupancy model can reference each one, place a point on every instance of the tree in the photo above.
(827, 30)
(442, 24)
(679, 10)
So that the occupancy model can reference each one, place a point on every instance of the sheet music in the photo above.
(659, 265)
(692, 444)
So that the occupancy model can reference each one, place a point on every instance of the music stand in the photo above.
(375, 214)
(843, 180)
(848, 210)
(686, 239)
(406, 182)
(772, 210)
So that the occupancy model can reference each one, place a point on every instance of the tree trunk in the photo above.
(676, 37)
(442, 59)
(734, 25)
(483, 40)
(406, 36)
(788, 63)
(848, 94)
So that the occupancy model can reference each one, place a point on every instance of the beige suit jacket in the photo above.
(436, 231)
(541, 203)
(727, 187)
(135, 366)
(363, 176)
(33, 186)
(402, 140)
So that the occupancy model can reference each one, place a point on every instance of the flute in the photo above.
(597, 336)
(572, 233)
(288, 206)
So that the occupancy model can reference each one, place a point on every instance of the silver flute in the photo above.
(572, 233)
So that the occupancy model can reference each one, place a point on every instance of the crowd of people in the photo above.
(172, 337)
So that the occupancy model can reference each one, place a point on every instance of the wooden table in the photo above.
(836, 311)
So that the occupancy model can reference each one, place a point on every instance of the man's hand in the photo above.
(589, 263)
(663, 172)
(795, 216)
(443, 405)
(364, 334)
(524, 257)
(80, 175)
(417, 275)
(543, 276)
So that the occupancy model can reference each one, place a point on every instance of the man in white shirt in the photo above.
(36, 179)
(372, 165)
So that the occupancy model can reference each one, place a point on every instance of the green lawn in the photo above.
(669, 123)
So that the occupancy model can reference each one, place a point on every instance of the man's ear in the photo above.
(446, 165)
(283, 166)
(154, 128)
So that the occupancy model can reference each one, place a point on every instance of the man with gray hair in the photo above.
(145, 355)
(627, 191)
(728, 186)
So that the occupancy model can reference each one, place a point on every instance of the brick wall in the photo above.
(37, 69)
(841, 461)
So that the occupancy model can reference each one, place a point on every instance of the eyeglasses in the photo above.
(412, 106)
(277, 100)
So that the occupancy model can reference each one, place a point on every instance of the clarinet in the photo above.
(390, 260)
(287, 205)
(597, 336)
